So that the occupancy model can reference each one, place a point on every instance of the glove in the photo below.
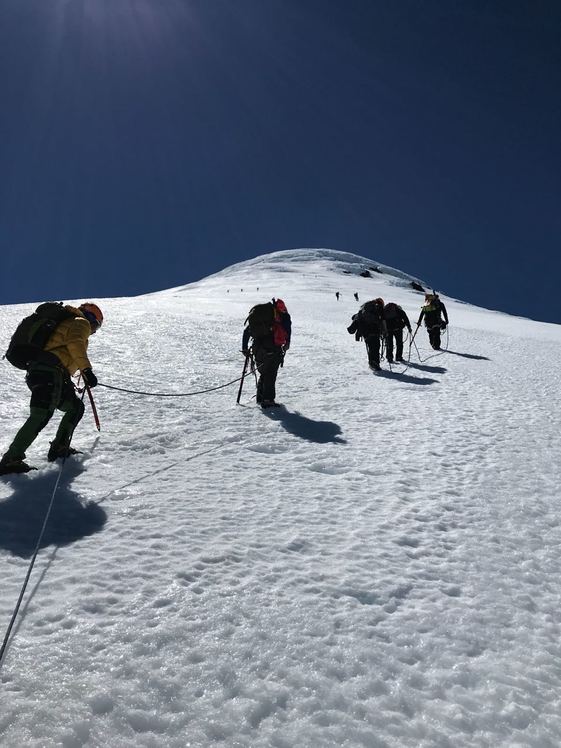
(246, 352)
(443, 325)
(286, 347)
(89, 378)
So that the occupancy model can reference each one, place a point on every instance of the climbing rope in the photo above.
(396, 362)
(254, 369)
(30, 568)
(434, 355)
(169, 394)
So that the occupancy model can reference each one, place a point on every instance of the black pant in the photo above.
(398, 335)
(373, 349)
(268, 361)
(434, 336)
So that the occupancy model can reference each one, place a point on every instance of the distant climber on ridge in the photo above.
(51, 345)
(432, 312)
(269, 326)
(396, 319)
(369, 323)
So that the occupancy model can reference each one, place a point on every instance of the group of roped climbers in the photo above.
(269, 327)
(62, 353)
(376, 322)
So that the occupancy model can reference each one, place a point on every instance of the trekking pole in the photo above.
(413, 338)
(409, 353)
(242, 379)
(254, 369)
(94, 409)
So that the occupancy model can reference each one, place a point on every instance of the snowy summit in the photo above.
(377, 563)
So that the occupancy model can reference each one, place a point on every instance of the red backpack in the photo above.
(280, 329)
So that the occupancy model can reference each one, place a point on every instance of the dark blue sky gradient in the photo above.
(147, 143)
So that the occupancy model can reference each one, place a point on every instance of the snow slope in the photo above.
(378, 564)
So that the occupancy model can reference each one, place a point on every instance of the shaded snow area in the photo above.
(376, 564)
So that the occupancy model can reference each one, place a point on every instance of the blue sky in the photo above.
(147, 143)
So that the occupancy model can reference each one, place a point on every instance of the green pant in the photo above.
(51, 389)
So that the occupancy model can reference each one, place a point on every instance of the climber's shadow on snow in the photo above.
(22, 515)
(320, 432)
(405, 378)
(468, 355)
(427, 367)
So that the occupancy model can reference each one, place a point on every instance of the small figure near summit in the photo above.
(396, 320)
(337, 294)
(269, 326)
(432, 312)
(369, 323)
(51, 345)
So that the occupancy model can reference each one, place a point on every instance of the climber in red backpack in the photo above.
(269, 326)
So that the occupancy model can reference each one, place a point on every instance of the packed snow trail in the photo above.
(375, 564)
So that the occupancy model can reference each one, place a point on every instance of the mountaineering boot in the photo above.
(56, 452)
(269, 404)
(400, 359)
(14, 465)
(375, 367)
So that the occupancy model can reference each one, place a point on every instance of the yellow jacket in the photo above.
(69, 342)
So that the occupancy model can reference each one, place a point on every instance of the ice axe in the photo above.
(87, 389)
(94, 409)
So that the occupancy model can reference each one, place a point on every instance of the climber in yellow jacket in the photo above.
(65, 353)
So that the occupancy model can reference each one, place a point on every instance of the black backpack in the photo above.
(370, 318)
(391, 311)
(260, 320)
(33, 332)
(393, 314)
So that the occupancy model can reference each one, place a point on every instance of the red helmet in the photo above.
(280, 305)
(379, 301)
(92, 313)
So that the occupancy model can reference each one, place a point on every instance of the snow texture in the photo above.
(376, 564)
